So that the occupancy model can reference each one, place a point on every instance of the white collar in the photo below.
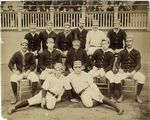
(116, 31)
(32, 34)
(48, 31)
(66, 34)
(24, 53)
(129, 50)
(80, 29)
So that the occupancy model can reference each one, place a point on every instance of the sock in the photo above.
(69, 94)
(112, 88)
(110, 103)
(34, 86)
(119, 87)
(14, 88)
(22, 104)
(139, 88)
(42, 81)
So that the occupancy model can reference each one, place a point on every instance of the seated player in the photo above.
(48, 58)
(52, 91)
(83, 85)
(128, 64)
(103, 61)
(76, 53)
(25, 65)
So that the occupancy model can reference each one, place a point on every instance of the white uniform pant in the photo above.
(138, 76)
(90, 94)
(31, 76)
(109, 75)
(37, 99)
(44, 75)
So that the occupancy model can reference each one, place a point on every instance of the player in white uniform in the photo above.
(83, 85)
(53, 89)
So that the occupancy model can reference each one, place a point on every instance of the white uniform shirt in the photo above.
(54, 84)
(79, 82)
(94, 38)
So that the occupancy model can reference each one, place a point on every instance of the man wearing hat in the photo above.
(128, 64)
(117, 36)
(93, 38)
(52, 91)
(48, 33)
(76, 53)
(83, 85)
(48, 58)
(25, 65)
(64, 40)
(102, 61)
(81, 32)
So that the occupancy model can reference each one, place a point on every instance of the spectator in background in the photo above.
(10, 8)
(64, 40)
(48, 33)
(81, 32)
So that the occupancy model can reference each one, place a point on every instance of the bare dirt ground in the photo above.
(66, 110)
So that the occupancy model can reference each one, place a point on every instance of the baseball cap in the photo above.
(67, 24)
(116, 21)
(49, 22)
(24, 41)
(58, 65)
(129, 37)
(50, 40)
(105, 39)
(77, 63)
(32, 25)
(95, 22)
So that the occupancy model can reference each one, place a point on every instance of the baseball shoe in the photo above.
(113, 100)
(138, 99)
(15, 99)
(120, 110)
(11, 110)
(120, 99)
(74, 100)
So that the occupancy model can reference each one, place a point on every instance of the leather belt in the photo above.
(52, 93)
(82, 91)
(94, 46)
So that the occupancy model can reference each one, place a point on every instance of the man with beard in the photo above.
(64, 40)
(48, 33)
(76, 53)
(102, 61)
(117, 37)
(25, 65)
(48, 58)
(128, 64)
(93, 38)
(81, 32)
(52, 91)
(83, 85)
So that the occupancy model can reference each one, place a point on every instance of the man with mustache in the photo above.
(25, 65)
(64, 40)
(48, 33)
(76, 53)
(81, 32)
(51, 93)
(93, 38)
(48, 58)
(128, 64)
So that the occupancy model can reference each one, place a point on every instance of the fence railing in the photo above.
(129, 19)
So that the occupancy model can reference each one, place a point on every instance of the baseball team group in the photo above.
(71, 60)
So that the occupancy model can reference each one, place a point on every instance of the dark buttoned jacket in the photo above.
(129, 61)
(102, 59)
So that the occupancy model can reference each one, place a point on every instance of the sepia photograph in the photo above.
(75, 59)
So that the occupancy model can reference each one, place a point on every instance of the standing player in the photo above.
(64, 40)
(48, 58)
(25, 65)
(52, 91)
(83, 85)
(129, 63)
(102, 61)
(48, 33)
(93, 38)
(81, 32)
